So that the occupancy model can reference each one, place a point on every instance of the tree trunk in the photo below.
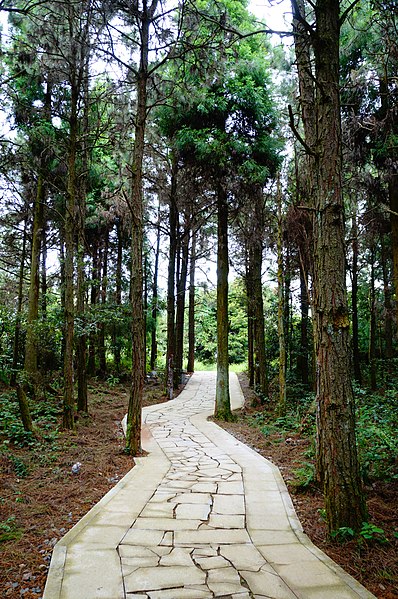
(91, 364)
(337, 463)
(15, 352)
(302, 359)
(180, 306)
(281, 310)
(133, 441)
(155, 309)
(118, 297)
(31, 343)
(354, 301)
(173, 221)
(103, 295)
(81, 339)
(69, 401)
(388, 324)
(372, 328)
(191, 308)
(393, 194)
(223, 404)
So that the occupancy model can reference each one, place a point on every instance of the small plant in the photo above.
(305, 476)
(343, 534)
(9, 531)
(371, 532)
(112, 381)
(21, 469)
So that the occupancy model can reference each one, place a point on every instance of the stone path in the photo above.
(203, 516)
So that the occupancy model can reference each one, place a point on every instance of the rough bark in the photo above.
(91, 364)
(388, 309)
(393, 195)
(133, 441)
(222, 409)
(337, 463)
(302, 359)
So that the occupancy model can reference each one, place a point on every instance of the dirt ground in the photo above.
(50, 499)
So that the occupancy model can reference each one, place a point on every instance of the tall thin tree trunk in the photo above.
(223, 404)
(180, 306)
(372, 328)
(15, 352)
(155, 308)
(118, 296)
(388, 324)
(103, 295)
(31, 343)
(191, 308)
(91, 364)
(69, 400)
(354, 300)
(281, 309)
(173, 221)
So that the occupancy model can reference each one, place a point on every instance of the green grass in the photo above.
(200, 367)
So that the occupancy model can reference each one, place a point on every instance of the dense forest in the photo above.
(177, 192)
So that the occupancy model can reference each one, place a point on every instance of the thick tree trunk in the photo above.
(223, 404)
(393, 193)
(191, 307)
(133, 441)
(337, 463)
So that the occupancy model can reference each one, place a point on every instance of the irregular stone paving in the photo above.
(192, 539)
(212, 519)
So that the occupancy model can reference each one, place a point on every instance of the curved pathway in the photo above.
(203, 516)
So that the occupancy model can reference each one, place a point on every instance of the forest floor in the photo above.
(41, 498)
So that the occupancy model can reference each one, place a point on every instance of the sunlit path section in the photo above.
(202, 516)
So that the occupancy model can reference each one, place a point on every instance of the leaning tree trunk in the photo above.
(223, 404)
(337, 462)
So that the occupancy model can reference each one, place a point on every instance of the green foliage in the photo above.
(304, 476)
(369, 533)
(9, 530)
(377, 414)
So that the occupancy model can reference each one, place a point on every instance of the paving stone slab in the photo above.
(202, 516)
